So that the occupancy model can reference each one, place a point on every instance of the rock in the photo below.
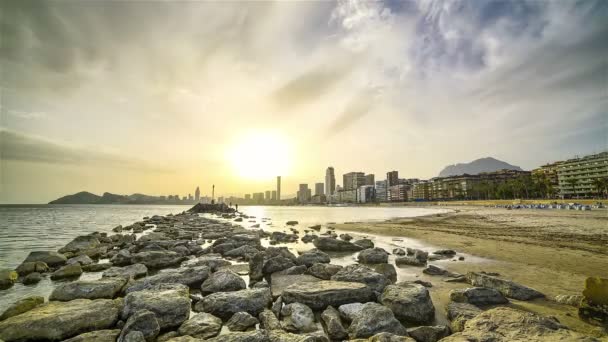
(346, 237)
(594, 305)
(241, 321)
(320, 295)
(277, 305)
(315, 227)
(88, 289)
(81, 259)
(61, 320)
(386, 337)
(50, 258)
(276, 264)
(269, 321)
(291, 223)
(261, 285)
(157, 259)
(300, 269)
(283, 336)
(134, 336)
(298, 318)
(97, 267)
(21, 306)
(7, 278)
(478, 296)
(335, 245)
(96, 336)
(409, 261)
(191, 277)
(399, 251)
(438, 271)
(168, 336)
(373, 256)
(226, 304)
(362, 274)
(202, 325)
(333, 324)
(214, 262)
(364, 243)
(324, 271)
(387, 270)
(80, 244)
(30, 267)
(572, 300)
(130, 272)
(423, 283)
(410, 302)
(506, 287)
(67, 271)
(32, 278)
(374, 318)
(348, 311)
(248, 336)
(508, 324)
(245, 251)
(312, 257)
(429, 333)
(143, 321)
(122, 258)
(445, 252)
(223, 280)
(460, 313)
(281, 281)
(169, 302)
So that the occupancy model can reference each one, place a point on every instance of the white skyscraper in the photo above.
(330, 181)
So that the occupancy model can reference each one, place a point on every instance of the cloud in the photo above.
(20, 147)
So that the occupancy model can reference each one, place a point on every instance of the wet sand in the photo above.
(553, 251)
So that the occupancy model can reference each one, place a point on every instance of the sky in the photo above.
(158, 97)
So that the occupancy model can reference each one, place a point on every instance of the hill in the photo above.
(487, 164)
(85, 197)
(82, 197)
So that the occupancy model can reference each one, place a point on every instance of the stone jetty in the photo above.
(186, 277)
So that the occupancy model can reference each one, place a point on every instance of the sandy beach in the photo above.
(553, 251)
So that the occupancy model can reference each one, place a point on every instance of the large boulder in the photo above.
(410, 302)
(429, 333)
(333, 324)
(67, 271)
(478, 296)
(88, 289)
(224, 280)
(61, 320)
(320, 295)
(169, 302)
(32, 266)
(374, 318)
(191, 277)
(7, 278)
(247, 336)
(202, 325)
(143, 321)
(21, 306)
(50, 258)
(80, 244)
(83, 260)
(460, 313)
(108, 335)
(323, 271)
(298, 318)
(213, 261)
(281, 281)
(362, 274)
(311, 257)
(506, 287)
(130, 272)
(373, 256)
(508, 324)
(387, 270)
(364, 243)
(335, 245)
(269, 321)
(594, 304)
(386, 337)
(157, 259)
(273, 259)
(241, 321)
(226, 304)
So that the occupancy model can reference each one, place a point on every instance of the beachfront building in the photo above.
(421, 191)
(353, 180)
(273, 196)
(369, 179)
(319, 189)
(578, 177)
(347, 196)
(258, 197)
(392, 178)
(366, 193)
(381, 191)
(397, 193)
(330, 181)
(303, 195)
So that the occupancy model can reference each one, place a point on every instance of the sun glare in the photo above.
(260, 155)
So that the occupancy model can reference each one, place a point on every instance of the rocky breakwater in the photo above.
(185, 279)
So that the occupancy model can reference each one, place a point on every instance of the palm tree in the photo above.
(572, 182)
(600, 185)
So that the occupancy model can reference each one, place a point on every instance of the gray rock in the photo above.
(333, 324)
(30, 267)
(191, 277)
(283, 336)
(362, 274)
(122, 258)
(223, 280)
(32, 278)
(478, 296)
(387, 270)
(410, 302)
(88, 289)
(169, 302)
(348, 311)
(298, 318)
(364, 243)
(202, 325)
(399, 251)
(167, 336)
(445, 252)
(277, 305)
(241, 321)
(373, 256)
(80, 244)
(269, 321)
(312, 257)
(300, 269)
(335, 245)
(213, 261)
(157, 259)
(245, 252)
(134, 336)
(67, 271)
(276, 264)
(81, 259)
(21, 306)
(130, 272)
(374, 318)
(50, 258)
(61, 320)
(409, 261)
(324, 271)
(97, 267)
(506, 287)
(320, 295)
(248, 336)
(143, 321)
(7, 278)
(226, 304)
(108, 335)
(429, 333)
(438, 271)
(460, 313)
(386, 337)
(281, 281)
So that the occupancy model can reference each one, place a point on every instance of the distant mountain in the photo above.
(79, 198)
(109, 198)
(488, 164)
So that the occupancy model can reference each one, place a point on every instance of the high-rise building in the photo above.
(369, 179)
(577, 176)
(303, 193)
(392, 178)
(381, 191)
(197, 194)
(366, 193)
(353, 180)
(267, 197)
(330, 181)
(319, 189)
(273, 195)
(278, 188)
(247, 197)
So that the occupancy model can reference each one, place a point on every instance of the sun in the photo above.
(260, 155)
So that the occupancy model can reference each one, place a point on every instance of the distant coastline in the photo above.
(85, 197)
